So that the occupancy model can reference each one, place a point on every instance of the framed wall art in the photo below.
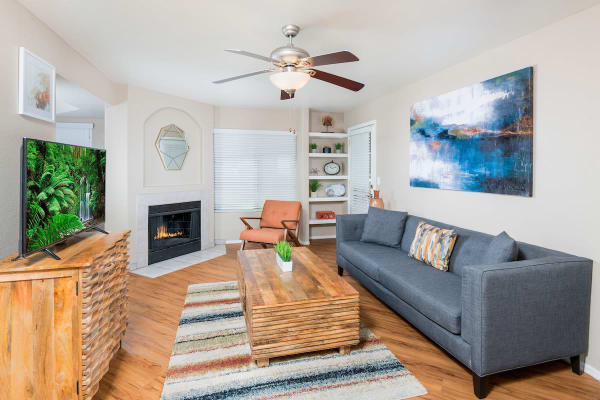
(478, 138)
(37, 80)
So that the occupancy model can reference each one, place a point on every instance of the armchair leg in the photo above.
(243, 245)
(480, 386)
(577, 364)
(340, 271)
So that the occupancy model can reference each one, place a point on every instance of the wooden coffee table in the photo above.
(308, 309)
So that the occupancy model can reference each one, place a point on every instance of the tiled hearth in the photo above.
(177, 263)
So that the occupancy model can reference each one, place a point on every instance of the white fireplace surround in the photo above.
(143, 201)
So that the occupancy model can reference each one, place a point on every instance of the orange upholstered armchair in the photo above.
(279, 220)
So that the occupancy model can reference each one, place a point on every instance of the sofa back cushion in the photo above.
(384, 227)
(470, 245)
(468, 249)
(502, 249)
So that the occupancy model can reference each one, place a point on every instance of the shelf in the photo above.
(328, 155)
(321, 135)
(328, 177)
(326, 199)
(322, 222)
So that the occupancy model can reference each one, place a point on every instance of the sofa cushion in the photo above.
(468, 249)
(435, 294)
(433, 245)
(502, 249)
(369, 257)
(384, 227)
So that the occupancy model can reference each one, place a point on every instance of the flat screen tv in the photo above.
(62, 192)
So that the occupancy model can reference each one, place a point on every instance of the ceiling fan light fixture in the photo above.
(289, 80)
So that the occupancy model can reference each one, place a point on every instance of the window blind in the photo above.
(253, 166)
(360, 171)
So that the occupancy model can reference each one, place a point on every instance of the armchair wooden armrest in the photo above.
(291, 232)
(283, 221)
(248, 226)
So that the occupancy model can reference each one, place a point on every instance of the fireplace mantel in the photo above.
(143, 201)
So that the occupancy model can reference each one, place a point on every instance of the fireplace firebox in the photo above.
(173, 230)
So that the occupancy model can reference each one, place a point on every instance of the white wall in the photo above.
(117, 178)
(20, 28)
(563, 213)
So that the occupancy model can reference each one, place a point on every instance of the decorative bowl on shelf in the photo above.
(335, 190)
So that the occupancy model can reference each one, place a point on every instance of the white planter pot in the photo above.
(286, 266)
(338, 151)
(314, 151)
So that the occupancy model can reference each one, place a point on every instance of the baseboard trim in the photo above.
(323, 237)
(592, 371)
(223, 241)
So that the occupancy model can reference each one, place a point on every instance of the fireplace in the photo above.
(173, 230)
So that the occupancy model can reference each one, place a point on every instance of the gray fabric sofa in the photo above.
(492, 318)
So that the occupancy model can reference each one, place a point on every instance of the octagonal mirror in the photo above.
(172, 146)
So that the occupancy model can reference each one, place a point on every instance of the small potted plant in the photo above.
(313, 147)
(313, 185)
(338, 147)
(284, 256)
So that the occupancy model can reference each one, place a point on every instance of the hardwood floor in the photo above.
(155, 305)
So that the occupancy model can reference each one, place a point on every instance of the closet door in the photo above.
(361, 167)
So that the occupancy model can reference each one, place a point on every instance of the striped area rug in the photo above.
(211, 360)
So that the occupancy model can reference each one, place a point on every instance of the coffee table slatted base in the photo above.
(302, 328)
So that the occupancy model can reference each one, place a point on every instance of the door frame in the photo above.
(353, 130)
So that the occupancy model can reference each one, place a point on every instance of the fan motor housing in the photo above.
(289, 55)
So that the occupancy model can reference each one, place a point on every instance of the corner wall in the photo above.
(564, 211)
(20, 28)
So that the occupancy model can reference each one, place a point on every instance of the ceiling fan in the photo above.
(293, 66)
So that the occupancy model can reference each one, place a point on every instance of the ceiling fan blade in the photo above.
(286, 96)
(248, 54)
(233, 78)
(332, 58)
(338, 80)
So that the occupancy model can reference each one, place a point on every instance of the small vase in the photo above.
(376, 201)
(286, 266)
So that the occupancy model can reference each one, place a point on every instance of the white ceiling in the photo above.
(176, 46)
(74, 102)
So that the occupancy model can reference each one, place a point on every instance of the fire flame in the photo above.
(161, 233)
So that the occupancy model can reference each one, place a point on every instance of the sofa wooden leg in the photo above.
(340, 271)
(577, 364)
(243, 245)
(480, 386)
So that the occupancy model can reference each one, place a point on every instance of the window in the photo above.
(253, 166)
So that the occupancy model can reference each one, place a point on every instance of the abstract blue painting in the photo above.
(478, 138)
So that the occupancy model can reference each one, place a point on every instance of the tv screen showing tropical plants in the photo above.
(64, 191)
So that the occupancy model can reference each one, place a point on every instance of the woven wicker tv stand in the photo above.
(62, 321)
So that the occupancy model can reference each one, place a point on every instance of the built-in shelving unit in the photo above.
(325, 228)
(326, 199)
(328, 155)
(325, 135)
(329, 177)
(322, 221)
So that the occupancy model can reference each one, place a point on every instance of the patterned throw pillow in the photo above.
(433, 245)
